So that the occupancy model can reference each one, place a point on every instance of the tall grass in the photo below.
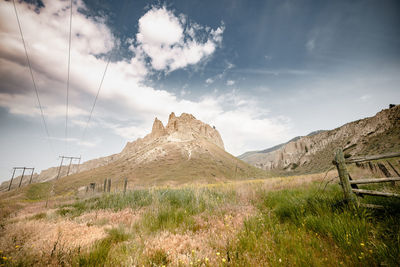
(291, 227)
(302, 227)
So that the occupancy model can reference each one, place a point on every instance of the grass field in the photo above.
(294, 221)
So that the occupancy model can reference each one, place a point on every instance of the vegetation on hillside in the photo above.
(258, 223)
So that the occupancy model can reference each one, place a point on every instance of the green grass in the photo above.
(303, 228)
(38, 191)
(98, 255)
(290, 227)
(39, 216)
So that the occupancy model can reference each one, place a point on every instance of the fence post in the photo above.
(344, 177)
(105, 185)
(109, 185)
(125, 184)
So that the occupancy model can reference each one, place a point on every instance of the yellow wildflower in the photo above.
(362, 244)
(223, 260)
(5, 258)
(16, 246)
(218, 253)
(206, 259)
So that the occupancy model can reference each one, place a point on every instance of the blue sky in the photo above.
(262, 72)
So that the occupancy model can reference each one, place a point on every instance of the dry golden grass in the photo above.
(49, 232)
(205, 225)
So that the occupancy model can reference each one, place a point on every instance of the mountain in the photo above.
(186, 150)
(271, 149)
(314, 152)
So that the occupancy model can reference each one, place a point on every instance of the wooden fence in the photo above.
(106, 188)
(350, 187)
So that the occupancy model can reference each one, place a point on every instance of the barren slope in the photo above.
(378, 134)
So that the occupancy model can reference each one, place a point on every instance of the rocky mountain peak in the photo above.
(171, 116)
(158, 129)
(186, 128)
(182, 137)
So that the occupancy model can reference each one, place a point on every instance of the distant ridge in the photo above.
(271, 149)
(314, 152)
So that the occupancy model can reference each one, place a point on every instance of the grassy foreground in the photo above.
(241, 224)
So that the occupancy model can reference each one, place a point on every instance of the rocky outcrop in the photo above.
(183, 135)
(158, 129)
(376, 134)
(185, 128)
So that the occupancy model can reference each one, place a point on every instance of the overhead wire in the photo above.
(33, 80)
(101, 84)
(68, 76)
(97, 96)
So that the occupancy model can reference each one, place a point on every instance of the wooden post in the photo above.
(105, 185)
(385, 171)
(22, 177)
(125, 184)
(79, 163)
(12, 177)
(344, 177)
(394, 169)
(109, 185)
(69, 166)
(59, 169)
(30, 180)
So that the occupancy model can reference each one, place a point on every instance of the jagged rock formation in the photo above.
(185, 150)
(378, 134)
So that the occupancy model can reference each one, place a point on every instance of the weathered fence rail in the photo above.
(373, 157)
(349, 185)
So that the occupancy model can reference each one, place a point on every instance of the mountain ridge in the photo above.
(314, 152)
(182, 150)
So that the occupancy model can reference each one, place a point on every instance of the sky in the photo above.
(261, 72)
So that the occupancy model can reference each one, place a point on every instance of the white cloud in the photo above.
(209, 81)
(365, 98)
(229, 66)
(159, 27)
(230, 82)
(124, 96)
(310, 45)
(170, 43)
(77, 141)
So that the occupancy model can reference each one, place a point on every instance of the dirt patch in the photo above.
(126, 217)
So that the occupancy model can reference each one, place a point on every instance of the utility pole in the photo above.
(70, 162)
(30, 180)
(12, 177)
(22, 177)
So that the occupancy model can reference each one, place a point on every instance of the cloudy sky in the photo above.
(262, 72)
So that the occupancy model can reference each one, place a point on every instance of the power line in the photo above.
(97, 96)
(123, 7)
(33, 79)
(69, 63)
